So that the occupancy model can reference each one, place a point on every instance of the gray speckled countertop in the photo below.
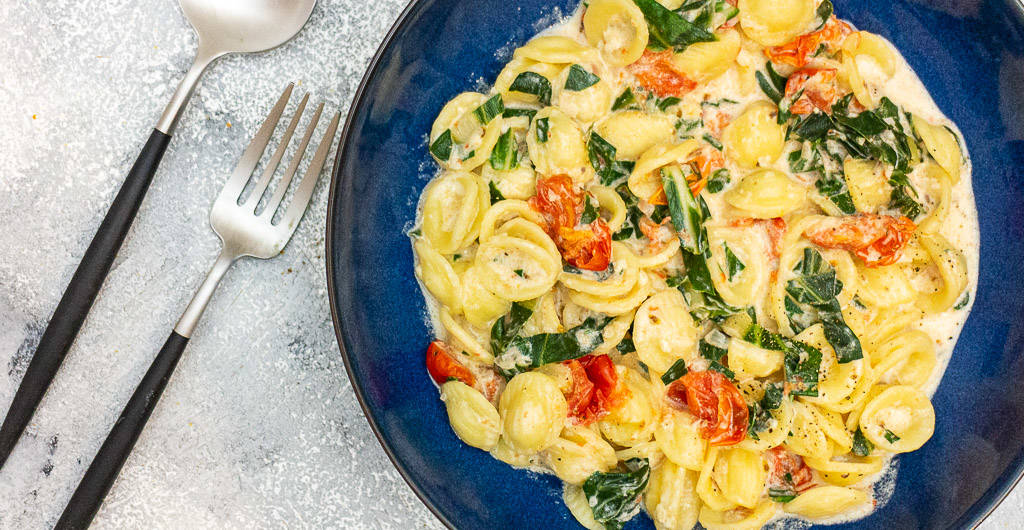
(259, 426)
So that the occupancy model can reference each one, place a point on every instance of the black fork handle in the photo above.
(78, 298)
(103, 470)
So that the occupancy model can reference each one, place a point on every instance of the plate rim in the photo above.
(979, 512)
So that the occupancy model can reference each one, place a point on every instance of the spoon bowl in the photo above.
(244, 26)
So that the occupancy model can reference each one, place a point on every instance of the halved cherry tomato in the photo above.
(442, 366)
(716, 401)
(876, 239)
(788, 470)
(819, 90)
(587, 248)
(556, 200)
(799, 51)
(655, 72)
(593, 388)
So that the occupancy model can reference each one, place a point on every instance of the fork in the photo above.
(243, 232)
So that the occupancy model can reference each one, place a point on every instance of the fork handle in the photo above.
(103, 470)
(105, 467)
(67, 319)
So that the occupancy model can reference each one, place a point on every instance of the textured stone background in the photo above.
(259, 426)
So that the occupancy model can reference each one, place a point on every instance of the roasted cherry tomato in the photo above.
(876, 239)
(556, 200)
(788, 470)
(442, 366)
(716, 401)
(817, 88)
(593, 387)
(655, 72)
(588, 247)
(800, 50)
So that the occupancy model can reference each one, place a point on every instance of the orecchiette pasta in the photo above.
(687, 282)
(532, 411)
(632, 132)
(664, 331)
(774, 22)
(473, 418)
(671, 497)
(617, 28)
(765, 194)
(755, 136)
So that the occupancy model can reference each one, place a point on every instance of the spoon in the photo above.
(223, 27)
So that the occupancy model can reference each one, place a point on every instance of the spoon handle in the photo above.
(74, 305)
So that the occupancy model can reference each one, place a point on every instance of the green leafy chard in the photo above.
(489, 110)
(496, 194)
(442, 146)
(522, 354)
(508, 327)
(580, 79)
(861, 445)
(535, 84)
(687, 217)
(542, 130)
(505, 154)
(734, 264)
(814, 291)
(801, 362)
(626, 100)
(677, 370)
(718, 180)
(602, 158)
(668, 29)
(614, 497)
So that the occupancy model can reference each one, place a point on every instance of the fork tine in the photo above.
(302, 195)
(286, 179)
(252, 154)
(268, 172)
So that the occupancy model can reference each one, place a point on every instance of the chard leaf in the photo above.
(491, 108)
(626, 346)
(782, 495)
(664, 104)
(735, 265)
(890, 436)
(542, 130)
(589, 214)
(801, 364)
(861, 445)
(711, 140)
(719, 179)
(614, 497)
(580, 79)
(816, 286)
(522, 354)
(823, 13)
(442, 146)
(773, 85)
(625, 100)
(668, 29)
(701, 296)
(962, 303)
(508, 327)
(687, 217)
(903, 196)
(602, 159)
(533, 83)
(496, 194)
(511, 112)
(504, 156)
(677, 370)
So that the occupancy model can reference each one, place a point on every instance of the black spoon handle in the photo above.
(81, 292)
(105, 467)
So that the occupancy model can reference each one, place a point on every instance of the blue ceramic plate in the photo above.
(969, 53)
